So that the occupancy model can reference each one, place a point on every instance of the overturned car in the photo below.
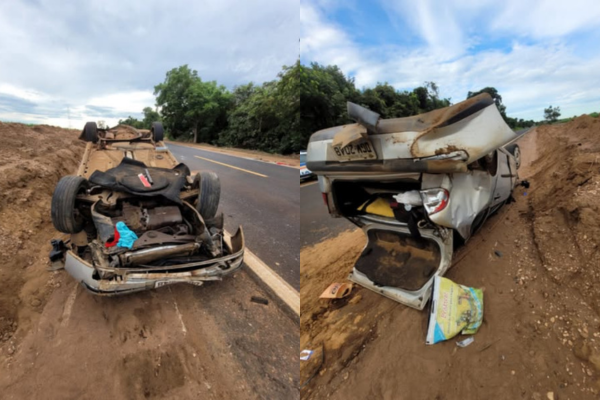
(417, 186)
(139, 220)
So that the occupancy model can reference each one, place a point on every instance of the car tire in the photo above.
(209, 195)
(65, 217)
(90, 132)
(158, 132)
(515, 150)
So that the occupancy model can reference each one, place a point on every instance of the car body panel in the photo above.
(113, 152)
(469, 194)
(129, 280)
(400, 146)
(459, 149)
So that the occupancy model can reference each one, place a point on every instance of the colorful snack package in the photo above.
(454, 309)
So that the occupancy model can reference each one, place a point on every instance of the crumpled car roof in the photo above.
(474, 126)
(436, 118)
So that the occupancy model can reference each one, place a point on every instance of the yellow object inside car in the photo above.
(378, 207)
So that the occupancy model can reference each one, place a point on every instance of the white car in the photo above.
(305, 173)
(416, 186)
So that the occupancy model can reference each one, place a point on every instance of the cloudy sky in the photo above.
(67, 62)
(535, 52)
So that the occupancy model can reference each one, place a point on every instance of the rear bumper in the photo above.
(129, 280)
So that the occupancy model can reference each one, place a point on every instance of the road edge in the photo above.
(226, 153)
(269, 280)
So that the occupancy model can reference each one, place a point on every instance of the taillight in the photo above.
(435, 200)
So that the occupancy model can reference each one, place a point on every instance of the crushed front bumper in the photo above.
(129, 280)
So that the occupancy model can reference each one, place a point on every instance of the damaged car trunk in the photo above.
(417, 186)
(138, 219)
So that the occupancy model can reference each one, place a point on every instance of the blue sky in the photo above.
(66, 62)
(536, 53)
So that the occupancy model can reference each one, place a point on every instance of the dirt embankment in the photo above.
(32, 160)
(541, 330)
(176, 342)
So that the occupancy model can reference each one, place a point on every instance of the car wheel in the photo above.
(210, 193)
(65, 217)
(516, 152)
(90, 132)
(158, 132)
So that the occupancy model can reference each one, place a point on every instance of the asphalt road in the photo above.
(264, 198)
(316, 224)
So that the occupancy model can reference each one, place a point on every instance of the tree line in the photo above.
(262, 117)
(280, 115)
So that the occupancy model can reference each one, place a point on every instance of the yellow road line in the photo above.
(231, 166)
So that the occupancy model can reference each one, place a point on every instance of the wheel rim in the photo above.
(518, 157)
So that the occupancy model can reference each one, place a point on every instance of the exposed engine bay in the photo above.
(167, 235)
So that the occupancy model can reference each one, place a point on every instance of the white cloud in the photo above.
(331, 43)
(530, 75)
(434, 21)
(128, 102)
(548, 18)
(54, 111)
(76, 52)
(25, 94)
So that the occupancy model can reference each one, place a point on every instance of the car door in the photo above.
(505, 176)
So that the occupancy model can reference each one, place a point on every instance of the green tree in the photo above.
(388, 102)
(266, 117)
(136, 123)
(324, 91)
(287, 95)
(551, 114)
(150, 116)
(208, 104)
(191, 107)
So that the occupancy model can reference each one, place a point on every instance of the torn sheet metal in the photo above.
(364, 116)
(463, 132)
(469, 194)
(477, 135)
(349, 134)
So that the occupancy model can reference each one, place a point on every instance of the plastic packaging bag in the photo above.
(126, 236)
(454, 309)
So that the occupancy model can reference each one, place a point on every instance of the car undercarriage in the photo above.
(137, 219)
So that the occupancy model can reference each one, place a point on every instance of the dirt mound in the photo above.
(565, 205)
(542, 302)
(32, 160)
